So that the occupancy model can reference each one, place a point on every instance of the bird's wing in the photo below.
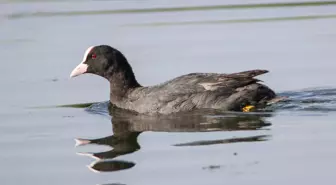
(198, 90)
(201, 82)
(230, 81)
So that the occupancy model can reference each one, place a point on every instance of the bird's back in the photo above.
(200, 90)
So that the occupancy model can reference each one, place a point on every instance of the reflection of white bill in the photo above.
(88, 155)
(91, 165)
(80, 142)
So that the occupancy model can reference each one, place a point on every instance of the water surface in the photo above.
(41, 42)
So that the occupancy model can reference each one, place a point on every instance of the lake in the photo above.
(51, 133)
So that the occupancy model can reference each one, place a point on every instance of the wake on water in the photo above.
(310, 100)
(317, 99)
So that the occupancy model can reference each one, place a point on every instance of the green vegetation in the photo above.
(78, 105)
(171, 9)
(255, 20)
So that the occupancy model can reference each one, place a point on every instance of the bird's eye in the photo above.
(93, 56)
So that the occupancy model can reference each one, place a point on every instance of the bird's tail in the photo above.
(249, 73)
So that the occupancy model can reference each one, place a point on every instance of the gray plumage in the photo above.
(227, 92)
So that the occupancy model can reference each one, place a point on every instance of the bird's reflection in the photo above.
(127, 127)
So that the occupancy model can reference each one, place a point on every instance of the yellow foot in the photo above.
(248, 108)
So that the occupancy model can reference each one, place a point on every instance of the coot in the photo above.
(228, 92)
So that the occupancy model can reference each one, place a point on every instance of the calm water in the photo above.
(41, 42)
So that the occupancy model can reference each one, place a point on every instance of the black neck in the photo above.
(122, 79)
(121, 84)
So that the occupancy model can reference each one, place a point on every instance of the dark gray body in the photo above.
(228, 92)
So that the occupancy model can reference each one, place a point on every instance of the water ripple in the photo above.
(316, 100)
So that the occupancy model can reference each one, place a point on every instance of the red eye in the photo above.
(93, 56)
